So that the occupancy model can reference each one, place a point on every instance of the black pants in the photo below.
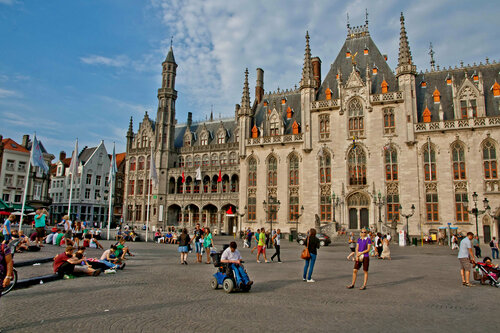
(478, 251)
(65, 268)
(380, 249)
(277, 253)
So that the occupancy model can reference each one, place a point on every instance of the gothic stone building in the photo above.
(357, 148)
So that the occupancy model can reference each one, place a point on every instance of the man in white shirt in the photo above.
(233, 257)
(465, 256)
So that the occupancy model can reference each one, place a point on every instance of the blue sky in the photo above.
(81, 68)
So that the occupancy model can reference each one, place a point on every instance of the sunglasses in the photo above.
(363, 232)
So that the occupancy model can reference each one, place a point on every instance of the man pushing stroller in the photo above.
(232, 256)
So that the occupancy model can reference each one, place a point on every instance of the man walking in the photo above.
(277, 243)
(465, 257)
(6, 228)
(261, 245)
(494, 248)
(362, 258)
(40, 217)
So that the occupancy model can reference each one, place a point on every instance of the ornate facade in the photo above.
(356, 148)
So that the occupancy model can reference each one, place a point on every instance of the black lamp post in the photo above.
(297, 216)
(407, 216)
(275, 207)
(379, 201)
(475, 210)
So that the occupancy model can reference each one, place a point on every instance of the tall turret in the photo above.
(244, 114)
(130, 134)
(406, 72)
(307, 95)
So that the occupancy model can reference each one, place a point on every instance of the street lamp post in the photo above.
(240, 215)
(297, 216)
(475, 210)
(336, 202)
(379, 201)
(275, 207)
(407, 216)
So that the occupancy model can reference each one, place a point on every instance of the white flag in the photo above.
(198, 173)
(112, 168)
(73, 167)
(152, 170)
(37, 156)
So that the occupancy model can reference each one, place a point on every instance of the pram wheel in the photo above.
(214, 284)
(228, 285)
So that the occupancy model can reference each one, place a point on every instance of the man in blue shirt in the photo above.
(6, 228)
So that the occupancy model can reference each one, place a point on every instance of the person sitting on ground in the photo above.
(50, 237)
(168, 237)
(157, 236)
(59, 238)
(97, 263)
(97, 234)
(232, 256)
(122, 250)
(109, 259)
(94, 243)
(85, 266)
(65, 264)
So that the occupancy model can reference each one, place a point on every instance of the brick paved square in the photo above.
(418, 290)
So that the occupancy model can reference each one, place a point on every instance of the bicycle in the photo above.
(5, 291)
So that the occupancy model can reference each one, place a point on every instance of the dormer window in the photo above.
(348, 54)
(437, 96)
(283, 101)
(423, 84)
(204, 139)
(496, 89)
(365, 51)
(385, 87)
(274, 126)
(265, 103)
(448, 80)
(426, 116)
(295, 128)
(328, 93)
(289, 113)
(221, 137)
(475, 77)
(375, 70)
(255, 132)
(187, 140)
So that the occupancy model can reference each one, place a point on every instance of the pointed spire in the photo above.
(170, 55)
(130, 127)
(245, 98)
(431, 53)
(404, 47)
(307, 72)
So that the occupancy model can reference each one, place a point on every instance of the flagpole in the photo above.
(75, 155)
(26, 185)
(149, 194)
(110, 202)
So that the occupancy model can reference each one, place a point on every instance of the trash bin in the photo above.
(290, 238)
(414, 241)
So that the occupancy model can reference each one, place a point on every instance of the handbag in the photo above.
(305, 252)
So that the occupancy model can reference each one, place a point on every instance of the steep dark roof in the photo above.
(85, 154)
(437, 79)
(373, 58)
(274, 101)
(229, 124)
(170, 56)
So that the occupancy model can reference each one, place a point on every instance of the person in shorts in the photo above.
(362, 259)
(6, 229)
(197, 244)
(208, 242)
(261, 245)
(68, 231)
(41, 215)
(466, 257)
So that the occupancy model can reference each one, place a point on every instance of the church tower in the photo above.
(244, 116)
(406, 72)
(165, 121)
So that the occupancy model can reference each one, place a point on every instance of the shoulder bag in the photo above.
(305, 253)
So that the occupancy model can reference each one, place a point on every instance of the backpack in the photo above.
(491, 244)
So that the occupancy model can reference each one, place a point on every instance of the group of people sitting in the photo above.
(69, 262)
(169, 237)
(126, 233)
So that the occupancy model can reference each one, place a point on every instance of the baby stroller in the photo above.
(491, 273)
(225, 275)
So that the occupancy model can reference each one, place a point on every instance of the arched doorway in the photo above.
(230, 219)
(174, 215)
(209, 216)
(358, 205)
(486, 229)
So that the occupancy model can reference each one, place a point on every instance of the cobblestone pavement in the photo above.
(420, 289)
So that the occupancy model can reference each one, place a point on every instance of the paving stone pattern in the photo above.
(418, 290)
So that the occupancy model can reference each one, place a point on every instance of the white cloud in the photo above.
(4, 93)
(7, 2)
(118, 61)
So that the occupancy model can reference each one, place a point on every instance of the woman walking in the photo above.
(277, 243)
(78, 235)
(208, 242)
(184, 242)
(386, 252)
(312, 245)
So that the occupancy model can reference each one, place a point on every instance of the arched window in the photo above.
(356, 125)
(188, 183)
(221, 137)
(144, 140)
(391, 164)
(325, 174)
(429, 162)
(189, 161)
(294, 170)
(468, 104)
(140, 165)
(205, 160)
(223, 159)
(232, 158)
(490, 161)
(187, 140)
(179, 185)
(181, 162)
(148, 163)
(204, 139)
(215, 160)
(458, 156)
(252, 172)
(357, 166)
(272, 172)
(274, 126)
(197, 161)
(324, 126)
(132, 164)
(206, 184)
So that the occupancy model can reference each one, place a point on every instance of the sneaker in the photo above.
(258, 261)
(304, 279)
(110, 271)
(68, 277)
(122, 266)
(280, 262)
(311, 280)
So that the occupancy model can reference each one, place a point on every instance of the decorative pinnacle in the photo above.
(431, 53)
(245, 98)
(307, 74)
(130, 127)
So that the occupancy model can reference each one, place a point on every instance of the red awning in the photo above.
(4, 213)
